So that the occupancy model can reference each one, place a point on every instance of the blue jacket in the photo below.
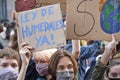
(86, 52)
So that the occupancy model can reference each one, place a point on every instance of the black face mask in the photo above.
(114, 78)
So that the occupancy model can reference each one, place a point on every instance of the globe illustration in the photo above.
(110, 17)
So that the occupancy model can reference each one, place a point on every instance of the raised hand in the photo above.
(108, 51)
(112, 44)
(25, 53)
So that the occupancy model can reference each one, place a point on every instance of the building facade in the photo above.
(6, 8)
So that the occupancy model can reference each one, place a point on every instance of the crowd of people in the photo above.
(77, 60)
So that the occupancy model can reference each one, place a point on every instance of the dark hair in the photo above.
(13, 24)
(54, 62)
(90, 42)
(112, 62)
(11, 54)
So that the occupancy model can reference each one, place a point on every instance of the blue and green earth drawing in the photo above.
(110, 16)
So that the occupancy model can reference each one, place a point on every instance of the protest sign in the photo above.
(22, 5)
(49, 2)
(42, 28)
(86, 21)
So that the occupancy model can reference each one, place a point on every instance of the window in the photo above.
(3, 10)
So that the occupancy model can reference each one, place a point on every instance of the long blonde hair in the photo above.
(45, 55)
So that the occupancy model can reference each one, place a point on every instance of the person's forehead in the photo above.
(38, 56)
(41, 55)
(65, 61)
(7, 60)
(115, 69)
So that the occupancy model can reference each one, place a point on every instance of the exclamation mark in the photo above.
(52, 39)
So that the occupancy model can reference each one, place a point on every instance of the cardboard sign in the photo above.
(86, 21)
(23, 5)
(42, 28)
(49, 2)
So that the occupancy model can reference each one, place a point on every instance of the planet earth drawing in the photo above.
(110, 16)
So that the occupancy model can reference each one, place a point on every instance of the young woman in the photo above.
(62, 66)
(41, 62)
(42, 58)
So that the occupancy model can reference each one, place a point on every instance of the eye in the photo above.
(70, 66)
(113, 75)
(60, 68)
(14, 65)
(4, 65)
(42, 61)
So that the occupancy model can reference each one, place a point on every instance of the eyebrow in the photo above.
(113, 73)
(4, 63)
(60, 65)
(70, 64)
(14, 63)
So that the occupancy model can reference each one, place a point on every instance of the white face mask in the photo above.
(8, 74)
(66, 75)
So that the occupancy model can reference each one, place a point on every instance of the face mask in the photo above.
(114, 78)
(8, 74)
(67, 75)
(42, 69)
